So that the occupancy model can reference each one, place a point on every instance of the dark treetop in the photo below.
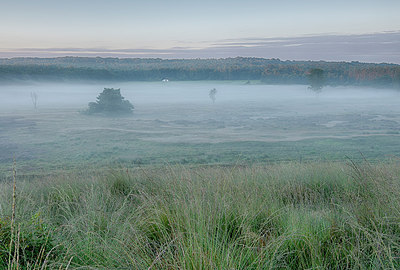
(110, 101)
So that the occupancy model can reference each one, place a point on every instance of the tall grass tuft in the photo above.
(287, 215)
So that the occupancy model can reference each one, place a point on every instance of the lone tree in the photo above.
(316, 79)
(212, 94)
(34, 98)
(396, 79)
(110, 101)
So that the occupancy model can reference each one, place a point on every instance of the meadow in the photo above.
(177, 123)
(265, 177)
(325, 215)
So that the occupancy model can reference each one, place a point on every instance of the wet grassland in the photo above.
(269, 182)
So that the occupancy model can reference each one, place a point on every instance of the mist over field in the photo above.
(75, 95)
(300, 176)
(178, 122)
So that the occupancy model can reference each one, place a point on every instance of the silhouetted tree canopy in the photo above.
(110, 101)
(316, 79)
(269, 71)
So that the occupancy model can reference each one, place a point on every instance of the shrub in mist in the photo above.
(110, 101)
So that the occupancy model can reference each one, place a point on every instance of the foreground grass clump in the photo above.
(296, 216)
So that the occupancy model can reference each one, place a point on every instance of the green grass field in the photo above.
(267, 177)
(53, 140)
(317, 215)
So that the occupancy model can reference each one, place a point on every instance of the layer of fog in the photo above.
(144, 95)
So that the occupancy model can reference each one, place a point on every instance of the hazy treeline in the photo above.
(272, 71)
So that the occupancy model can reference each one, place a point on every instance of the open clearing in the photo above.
(177, 122)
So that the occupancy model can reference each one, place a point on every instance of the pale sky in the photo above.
(155, 28)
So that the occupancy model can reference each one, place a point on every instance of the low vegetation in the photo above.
(315, 215)
(110, 102)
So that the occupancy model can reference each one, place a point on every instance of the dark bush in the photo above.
(110, 101)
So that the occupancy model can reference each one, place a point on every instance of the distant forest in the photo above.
(270, 71)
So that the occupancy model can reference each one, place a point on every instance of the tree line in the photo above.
(272, 71)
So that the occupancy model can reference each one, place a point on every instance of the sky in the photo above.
(351, 30)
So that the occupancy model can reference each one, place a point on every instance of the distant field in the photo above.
(247, 124)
